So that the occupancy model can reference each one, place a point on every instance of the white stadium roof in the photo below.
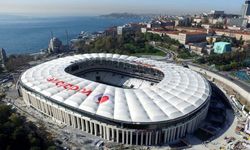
(179, 93)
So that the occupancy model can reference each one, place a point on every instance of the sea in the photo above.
(27, 35)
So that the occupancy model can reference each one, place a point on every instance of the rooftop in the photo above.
(180, 32)
(223, 43)
(180, 93)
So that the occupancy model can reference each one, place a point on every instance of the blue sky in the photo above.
(96, 7)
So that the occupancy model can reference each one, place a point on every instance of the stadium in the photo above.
(124, 99)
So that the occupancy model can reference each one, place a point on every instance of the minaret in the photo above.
(3, 57)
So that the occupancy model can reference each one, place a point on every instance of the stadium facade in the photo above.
(124, 99)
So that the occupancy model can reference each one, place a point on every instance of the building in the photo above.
(218, 20)
(112, 31)
(206, 26)
(209, 49)
(55, 45)
(154, 24)
(120, 30)
(182, 36)
(213, 39)
(147, 102)
(167, 24)
(246, 9)
(216, 13)
(222, 47)
(3, 57)
(198, 20)
(192, 37)
(198, 48)
(183, 21)
(129, 28)
(143, 30)
(238, 34)
(160, 24)
(237, 23)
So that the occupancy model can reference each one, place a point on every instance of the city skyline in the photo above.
(94, 7)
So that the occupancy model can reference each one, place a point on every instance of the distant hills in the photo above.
(122, 15)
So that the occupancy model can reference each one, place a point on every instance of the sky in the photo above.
(97, 7)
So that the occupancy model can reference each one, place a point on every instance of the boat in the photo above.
(83, 35)
(248, 71)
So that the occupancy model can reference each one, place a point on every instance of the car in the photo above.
(99, 144)
(4, 80)
(65, 138)
(66, 148)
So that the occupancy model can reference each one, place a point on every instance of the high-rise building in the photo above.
(3, 57)
(246, 9)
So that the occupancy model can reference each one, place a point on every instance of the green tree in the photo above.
(233, 65)
(15, 119)
(5, 112)
(35, 148)
(241, 41)
(15, 61)
(3, 141)
(16, 133)
(1, 69)
(52, 148)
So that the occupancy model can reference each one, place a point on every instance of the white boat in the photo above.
(83, 35)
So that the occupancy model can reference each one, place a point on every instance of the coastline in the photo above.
(28, 35)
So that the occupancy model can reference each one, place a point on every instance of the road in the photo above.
(170, 55)
(165, 50)
(242, 84)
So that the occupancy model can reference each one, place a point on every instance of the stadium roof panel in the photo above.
(179, 93)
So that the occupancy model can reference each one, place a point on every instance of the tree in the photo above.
(15, 119)
(3, 141)
(35, 148)
(16, 133)
(246, 63)
(130, 47)
(52, 148)
(218, 25)
(34, 141)
(127, 43)
(241, 41)
(233, 65)
(5, 112)
(15, 61)
(1, 69)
